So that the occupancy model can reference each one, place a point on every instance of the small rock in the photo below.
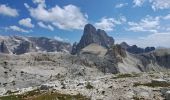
(45, 87)
(164, 90)
(167, 95)
(162, 81)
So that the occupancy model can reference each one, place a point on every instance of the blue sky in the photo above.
(141, 22)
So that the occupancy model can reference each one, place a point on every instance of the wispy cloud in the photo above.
(49, 27)
(120, 5)
(16, 28)
(155, 4)
(61, 39)
(147, 24)
(108, 24)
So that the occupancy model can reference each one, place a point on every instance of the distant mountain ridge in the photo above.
(135, 49)
(95, 50)
(21, 45)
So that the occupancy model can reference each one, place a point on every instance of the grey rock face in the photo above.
(104, 64)
(50, 45)
(4, 48)
(91, 35)
(25, 47)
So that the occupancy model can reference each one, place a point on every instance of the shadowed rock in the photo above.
(4, 48)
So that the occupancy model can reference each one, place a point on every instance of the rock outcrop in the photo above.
(93, 35)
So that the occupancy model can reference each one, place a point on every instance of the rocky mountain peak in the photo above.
(93, 35)
(124, 45)
(89, 29)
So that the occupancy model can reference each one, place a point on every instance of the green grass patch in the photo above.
(42, 95)
(58, 96)
(137, 98)
(152, 84)
(126, 75)
(89, 86)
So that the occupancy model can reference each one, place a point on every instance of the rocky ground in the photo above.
(141, 86)
(63, 75)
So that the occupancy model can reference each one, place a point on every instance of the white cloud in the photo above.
(40, 2)
(138, 2)
(60, 39)
(26, 22)
(148, 24)
(108, 24)
(8, 11)
(16, 28)
(69, 17)
(156, 39)
(120, 5)
(155, 4)
(49, 27)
